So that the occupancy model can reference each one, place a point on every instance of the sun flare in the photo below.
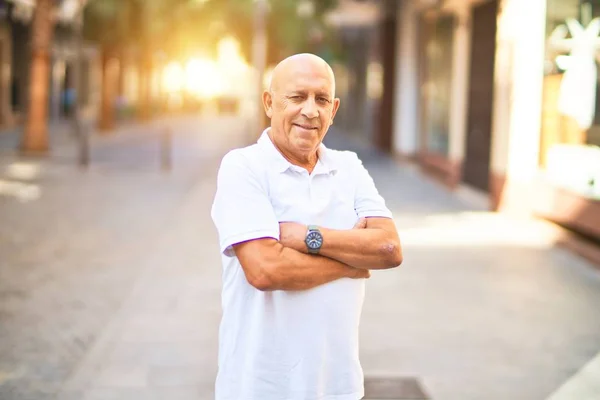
(207, 78)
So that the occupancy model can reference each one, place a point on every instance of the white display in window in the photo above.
(577, 96)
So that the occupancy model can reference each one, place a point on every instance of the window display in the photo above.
(570, 135)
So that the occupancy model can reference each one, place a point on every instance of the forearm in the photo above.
(294, 270)
(362, 248)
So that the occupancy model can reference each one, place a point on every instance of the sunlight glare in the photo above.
(23, 171)
(203, 78)
(209, 78)
(478, 229)
(229, 57)
(24, 192)
(173, 77)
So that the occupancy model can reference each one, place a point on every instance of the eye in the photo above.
(323, 100)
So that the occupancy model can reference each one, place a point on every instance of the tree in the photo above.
(287, 31)
(143, 26)
(181, 28)
(35, 137)
(110, 23)
(172, 27)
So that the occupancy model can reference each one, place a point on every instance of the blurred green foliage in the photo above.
(180, 28)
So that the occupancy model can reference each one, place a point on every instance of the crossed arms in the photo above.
(284, 264)
(242, 208)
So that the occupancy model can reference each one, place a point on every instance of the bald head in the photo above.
(299, 63)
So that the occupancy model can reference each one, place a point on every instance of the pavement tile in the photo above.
(158, 354)
(122, 375)
(174, 376)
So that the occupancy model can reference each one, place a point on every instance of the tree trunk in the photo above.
(106, 122)
(35, 138)
(145, 71)
(124, 61)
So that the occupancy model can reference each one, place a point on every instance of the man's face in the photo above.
(301, 108)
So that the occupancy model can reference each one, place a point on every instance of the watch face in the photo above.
(314, 240)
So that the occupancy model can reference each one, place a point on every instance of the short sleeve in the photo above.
(367, 201)
(241, 208)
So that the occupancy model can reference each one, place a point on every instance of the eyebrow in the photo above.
(303, 92)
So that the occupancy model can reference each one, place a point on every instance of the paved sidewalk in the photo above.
(484, 306)
(73, 242)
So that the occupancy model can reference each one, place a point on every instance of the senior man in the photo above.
(300, 226)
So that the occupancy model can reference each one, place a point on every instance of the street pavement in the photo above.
(73, 242)
(110, 278)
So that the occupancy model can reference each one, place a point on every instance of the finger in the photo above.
(363, 274)
(361, 223)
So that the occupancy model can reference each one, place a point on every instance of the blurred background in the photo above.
(478, 120)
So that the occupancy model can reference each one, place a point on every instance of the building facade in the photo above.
(499, 96)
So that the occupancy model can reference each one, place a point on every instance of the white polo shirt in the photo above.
(289, 345)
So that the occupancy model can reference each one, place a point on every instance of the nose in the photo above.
(309, 109)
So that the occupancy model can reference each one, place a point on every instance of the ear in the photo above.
(267, 99)
(336, 106)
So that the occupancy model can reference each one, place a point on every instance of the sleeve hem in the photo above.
(375, 213)
(227, 243)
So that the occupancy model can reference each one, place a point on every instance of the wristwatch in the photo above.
(314, 239)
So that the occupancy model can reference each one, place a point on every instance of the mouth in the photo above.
(306, 127)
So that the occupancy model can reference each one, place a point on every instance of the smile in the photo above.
(307, 127)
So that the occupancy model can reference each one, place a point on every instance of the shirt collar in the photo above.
(325, 163)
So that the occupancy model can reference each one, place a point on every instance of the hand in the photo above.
(292, 235)
(361, 273)
(360, 224)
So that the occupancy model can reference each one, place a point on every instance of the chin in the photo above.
(307, 136)
(306, 144)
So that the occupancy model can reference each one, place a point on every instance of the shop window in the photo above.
(437, 83)
(570, 136)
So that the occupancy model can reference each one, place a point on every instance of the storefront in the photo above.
(435, 61)
(501, 97)
(570, 131)
(444, 89)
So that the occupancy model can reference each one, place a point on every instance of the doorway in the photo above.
(481, 88)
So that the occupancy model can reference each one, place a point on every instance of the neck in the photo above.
(307, 160)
